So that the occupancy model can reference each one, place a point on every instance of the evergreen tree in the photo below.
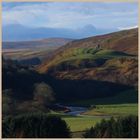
(123, 127)
(35, 126)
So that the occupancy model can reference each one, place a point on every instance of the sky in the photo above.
(73, 15)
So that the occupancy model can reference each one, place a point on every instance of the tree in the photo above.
(89, 133)
(128, 126)
(123, 127)
(43, 94)
(8, 103)
(35, 126)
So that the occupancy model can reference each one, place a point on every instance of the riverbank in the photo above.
(81, 118)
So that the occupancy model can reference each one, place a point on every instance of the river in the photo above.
(77, 111)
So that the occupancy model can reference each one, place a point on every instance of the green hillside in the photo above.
(121, 43)
(84, 58)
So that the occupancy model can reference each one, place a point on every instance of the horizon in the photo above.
(52, 20)
(65, 38)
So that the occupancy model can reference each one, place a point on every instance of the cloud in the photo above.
(71, 14)
(127, 28)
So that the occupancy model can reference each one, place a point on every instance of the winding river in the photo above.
(77, 111)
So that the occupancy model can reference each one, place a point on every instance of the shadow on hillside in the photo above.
(22, 84)
(84, 89)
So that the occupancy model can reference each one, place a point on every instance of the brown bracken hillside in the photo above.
(112, 57)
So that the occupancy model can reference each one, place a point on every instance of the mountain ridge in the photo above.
(17, 32)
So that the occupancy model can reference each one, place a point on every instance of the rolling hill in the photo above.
(79, 72)
(40, 43)
(111, 57)
(31, 49)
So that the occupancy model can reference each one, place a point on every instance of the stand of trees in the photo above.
(123, 127)
(35, 126)
(43, 97)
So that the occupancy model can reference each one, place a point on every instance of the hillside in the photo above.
(65, 89)
(111, 57)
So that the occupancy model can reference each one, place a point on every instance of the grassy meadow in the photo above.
(114, 110)
(104, 109)
(122, 104)
(78, 124)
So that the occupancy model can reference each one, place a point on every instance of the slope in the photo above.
(111, 57)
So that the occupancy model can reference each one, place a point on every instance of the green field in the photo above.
(114, 110)
(92, 116)
(123, 104)
(80, 123)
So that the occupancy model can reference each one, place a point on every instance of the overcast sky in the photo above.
(71, 14)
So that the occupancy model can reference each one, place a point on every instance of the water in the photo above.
(75, 111)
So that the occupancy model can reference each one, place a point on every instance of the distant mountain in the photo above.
(17, 32)
(42, 43)
(111, 57)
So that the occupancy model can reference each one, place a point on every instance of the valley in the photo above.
(90, 116)
(82, 81)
